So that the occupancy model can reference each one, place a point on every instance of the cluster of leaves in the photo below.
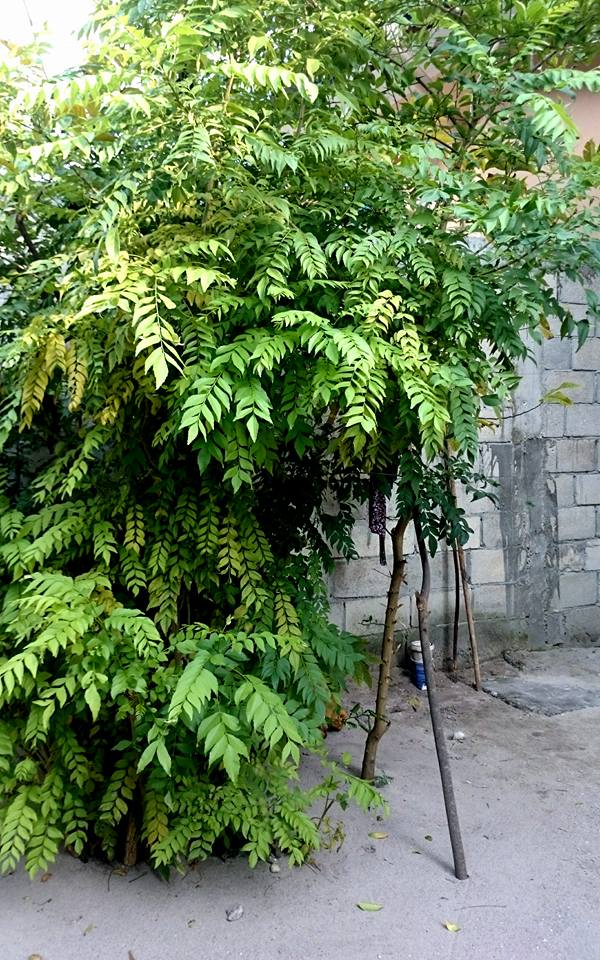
(237, 257)
(191, 742)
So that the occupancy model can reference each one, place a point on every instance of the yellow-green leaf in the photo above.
(112, 243)
(378, 835)
(452, 927)
(92, 698)
(369, 907)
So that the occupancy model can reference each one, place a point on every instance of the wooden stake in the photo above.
(459, 555)
(456, 607)
(460, 866)
(469, 615)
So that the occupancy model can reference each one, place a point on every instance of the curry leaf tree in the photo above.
(239, 280)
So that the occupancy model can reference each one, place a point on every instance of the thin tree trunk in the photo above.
(130, 854)
(456, 607)
(470, 621)
(460, 867)
(381, 722)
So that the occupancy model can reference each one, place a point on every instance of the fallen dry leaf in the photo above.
(35, 956)
(369, 907)
(45, 877)
(452, 927)
(428, 837)
(88, 929)
(379, 835)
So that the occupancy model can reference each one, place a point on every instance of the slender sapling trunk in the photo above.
(381, 722)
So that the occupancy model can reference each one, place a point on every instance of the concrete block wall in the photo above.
(533, 560)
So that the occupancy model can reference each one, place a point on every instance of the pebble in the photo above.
(275, 868)
(458, 735)
(236, 913)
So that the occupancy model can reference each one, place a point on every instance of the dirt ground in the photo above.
(529, 800)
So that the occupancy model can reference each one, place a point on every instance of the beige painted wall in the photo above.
(586, 114)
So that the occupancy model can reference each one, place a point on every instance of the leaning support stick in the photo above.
(460, 866)
(456, 607)
(470, 621)
(460, 573)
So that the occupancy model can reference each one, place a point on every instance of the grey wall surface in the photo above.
(533, 561)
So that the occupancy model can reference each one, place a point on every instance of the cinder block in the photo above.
(497, 433)
(365, 542)
(359, 578)
(582, 392)
(441, 608)
(574, 456)
(565, 490)
(475, 507)
(366, 616)
(442, 567)
(592, 556)
(578, 311)
(486, 566)
(588, 356)
(582, 624)
(490, 601)
(557, 354)
(337, 614)
(474, 523)
(491, 530)
(583, 420)
(571, 291)
(571, 556)
(553, 420)
(587, 488)
(576, 523)
(412, 573)
(550, 456)
(578, 589)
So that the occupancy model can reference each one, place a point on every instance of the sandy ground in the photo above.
(529, 800)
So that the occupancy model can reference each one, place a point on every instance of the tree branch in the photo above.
(22, 228)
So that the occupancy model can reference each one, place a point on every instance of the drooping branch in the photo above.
(22, 228)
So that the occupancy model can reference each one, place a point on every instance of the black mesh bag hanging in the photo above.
(378, 518)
